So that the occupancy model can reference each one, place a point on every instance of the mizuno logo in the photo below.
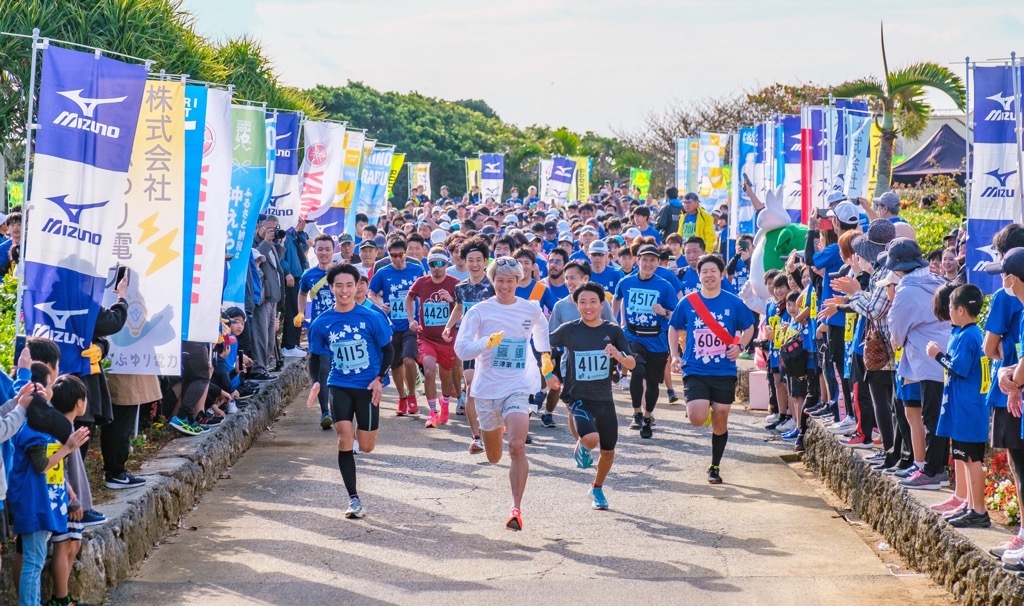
(279, 137)
(1001, 177)
(74, 211)
(992, 253)
(88, 104)
(1005, 114)
(1006, 102)
(562, 171)
(59, 318)
(274, 199)
(1002, 190)
(492, 167)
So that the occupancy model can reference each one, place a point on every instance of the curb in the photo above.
(177, 477)
(927, 543)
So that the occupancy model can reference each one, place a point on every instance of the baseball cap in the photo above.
(346, 239)
(488, 230)
(530, 237)
(890, 200)
(256, 254)
(380, 241)
(834, 198)
(565, 237)
(905, 255)
(445, 225)
(511, 219)
(438, 235)
(588, 230)
(551, 227)
(563, 225)
(1012, 263)
(367, 244)
(599, 247)
(617, 239)
(648, 249)
(845, 212)
(691, 197)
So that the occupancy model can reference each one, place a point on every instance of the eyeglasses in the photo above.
(437, 264)
(503, 261)
(397, 255)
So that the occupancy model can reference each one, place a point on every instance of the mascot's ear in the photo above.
(774, 215)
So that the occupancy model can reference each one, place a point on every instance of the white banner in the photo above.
(544, 167)
(321, 166)
(858, 130)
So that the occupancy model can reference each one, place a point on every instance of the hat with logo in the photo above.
(889, 200)
(868, 246)
(904, 255)
(648, 249)
(598, 247)
(437, 257)
(368, 244)
(551, 227)
(845, 212)
(953, 233)
(691, 197)
(632, 233)
(1012, 263)
(346, 239)
(834, 198)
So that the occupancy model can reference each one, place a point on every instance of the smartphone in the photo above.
(824, 224)
(746, 181)
(19, 345)
(823, 213)
(122, 273)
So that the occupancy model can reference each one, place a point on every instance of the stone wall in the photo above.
(926, 542)
(176, 479)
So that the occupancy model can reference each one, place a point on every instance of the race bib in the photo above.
(351, 355)
(898, 353)
(54, 476)
(592, 365)
(851, 320)
(689, 229)
(814, 304)
(706, 344)
(986, 375)
(641, 301)
(510, 354)
(466, 305)
(780, 336)
(435, 314)
(398, 307)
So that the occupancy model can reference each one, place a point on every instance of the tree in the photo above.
(900, 99)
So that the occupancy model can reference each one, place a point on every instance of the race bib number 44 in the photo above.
(351, 355)
(592, 365)
(706, 344)
(398, 307)
(510, 354)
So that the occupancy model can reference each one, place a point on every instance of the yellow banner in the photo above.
(396, 165)
(876, 145)
(580, 189)
(419, 174)
(473, 168)
(149, 239)
(640, 180)
(350, 163)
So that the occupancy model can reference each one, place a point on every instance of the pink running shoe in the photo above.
(442, 417)
(950, 504)
(431, 419)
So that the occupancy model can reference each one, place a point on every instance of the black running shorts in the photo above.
(719, 390)
(348, 404)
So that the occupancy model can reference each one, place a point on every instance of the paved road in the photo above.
(272, 533)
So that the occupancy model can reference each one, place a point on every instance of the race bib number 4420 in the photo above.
(435, 314)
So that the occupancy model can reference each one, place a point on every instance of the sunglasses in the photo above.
(437, 264)
(503, 261)
(397, 255)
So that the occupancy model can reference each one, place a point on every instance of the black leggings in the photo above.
(646, 377)
(1016, 458)
(597, 417)
(880, 384)
(936, 454)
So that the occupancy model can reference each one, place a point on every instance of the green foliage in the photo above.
(8, 321)
(942, 192)
(931, 225)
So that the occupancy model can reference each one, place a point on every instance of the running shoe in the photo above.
(772, 418)
(184, 426)
(431, 419)
(714, 477)
(294, 352)
(123, 480)
(261, 377)
(442, 415)
(791, 435)
(943, 479)
(799, 446)
(672, 397)
(775, 424)
(707, 419)
(326, 421)
(582, 456)
(746, 356)
(948, 505)
(624, 383)
(91, 517)
(786, 426)
(414, 408)
(208, 419)
(920, 481)
(972, 519)
(200, 427)
(900, 471)
(878, 455)
(1011, 556)
(540, 398)
(856, 441)
(529, 439)
(355, 508)
(547, 420)
(845, 426)
(419, 382)
(403, 407)
(515, 519)
(646, 430)
(232, 407)
(476, 446)
(597, 494)
(1015, 544)
(460, 407)
(638, 420)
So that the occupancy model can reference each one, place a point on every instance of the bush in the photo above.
(8, 320)
(932, 225)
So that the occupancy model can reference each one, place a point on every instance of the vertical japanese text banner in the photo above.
(248, 188)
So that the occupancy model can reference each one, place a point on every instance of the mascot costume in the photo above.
(777, 237)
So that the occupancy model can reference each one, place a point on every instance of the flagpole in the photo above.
(968, 137)
(1017, 129)
(26, 196)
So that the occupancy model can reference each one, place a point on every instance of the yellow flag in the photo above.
(473, 169)
(396, 165)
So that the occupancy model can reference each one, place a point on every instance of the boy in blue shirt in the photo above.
(964, 414)
(777, 319)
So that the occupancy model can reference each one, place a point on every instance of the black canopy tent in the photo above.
(943, 154)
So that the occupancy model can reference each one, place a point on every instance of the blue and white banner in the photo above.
(492, 176)
(764, 175)
(373, 185)
(994, 199)
(562, 170)
(284, 199)
(271, 162)
(88, 113)
(787, 164)
(682, 164)
(248, 190)
(195, 131)
(745, 149)
(858, 151)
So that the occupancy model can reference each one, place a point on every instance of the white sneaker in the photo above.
(846, 425)
(771, 418)
(1013, 556)
(355, 448)
(789, 425)
(624, 383)
(294, 352)
(232, 407)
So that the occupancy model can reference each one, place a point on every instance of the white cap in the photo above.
(438, 235)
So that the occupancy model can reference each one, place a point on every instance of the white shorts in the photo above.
(491, 413)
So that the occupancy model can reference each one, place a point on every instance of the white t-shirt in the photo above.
(510, 367)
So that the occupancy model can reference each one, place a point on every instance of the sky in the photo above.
(601, 65)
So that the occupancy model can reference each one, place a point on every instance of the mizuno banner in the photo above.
(149, 240)
(270, 126)
(248, 188)
(492, 176)
(88, 113)
(285, 199)
(562, 170)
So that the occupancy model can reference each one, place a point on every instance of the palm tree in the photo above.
(900, 98)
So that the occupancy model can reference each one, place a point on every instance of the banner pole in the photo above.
(1017, 129)
(968, 137)
(26, 198)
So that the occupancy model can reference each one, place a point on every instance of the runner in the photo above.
(592, 346)
(649, 303)
(354, 346)
(434, 296)
(496, 333)
(314, 280)
(468, 293)
(717, 326)
(388, 289)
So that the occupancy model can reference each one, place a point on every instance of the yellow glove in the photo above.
(494, 339)
(546, 366)
(297, 322)
(94, 355)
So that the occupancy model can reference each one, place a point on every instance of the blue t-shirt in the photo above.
(316, 302)
(547, 300)
(689, 281)
(828, 259)
(705, 352)
(355, 341)
(651, 232)
(665, 274)
(549, 245)
(741, 275)
(38, 501)
(394, 285)
(964, 413)
(638, 297)
(558, 292)
(579, 255)
(1004, 313)
(608, 279)
(542, 267)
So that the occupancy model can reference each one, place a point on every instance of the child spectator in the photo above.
(777, 318)
(795, 367)
(964, 414)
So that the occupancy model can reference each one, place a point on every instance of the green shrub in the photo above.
(8, 320)
(931, 224)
